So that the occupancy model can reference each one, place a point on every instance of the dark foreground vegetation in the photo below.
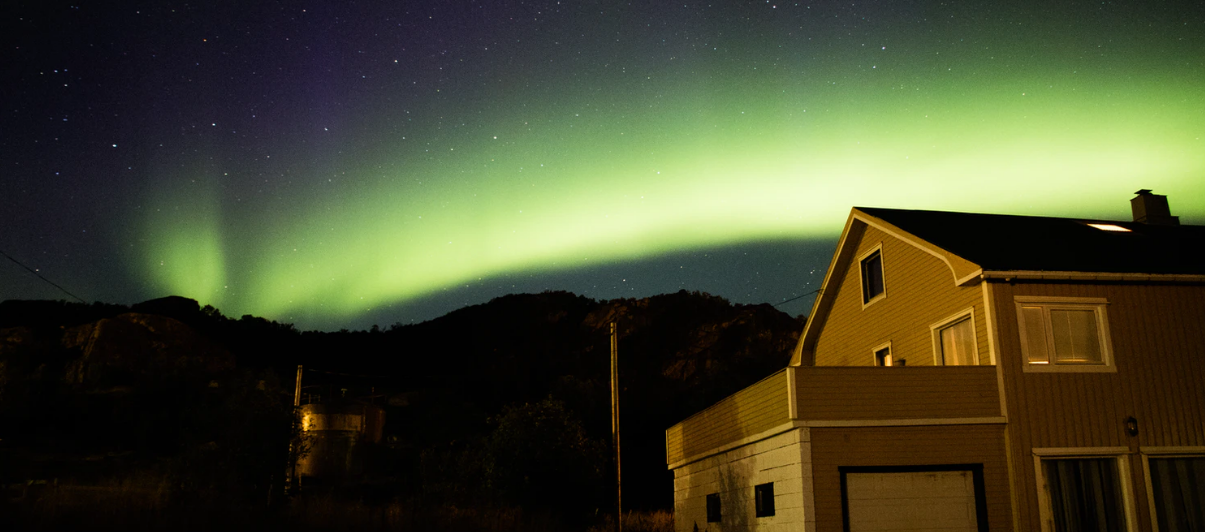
(165, 415)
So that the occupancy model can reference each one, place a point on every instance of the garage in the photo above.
(937, 498)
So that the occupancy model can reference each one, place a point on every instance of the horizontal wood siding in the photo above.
(908, 446)
(837, 393)
(1158, 338)
(755, 409)
(920, 292)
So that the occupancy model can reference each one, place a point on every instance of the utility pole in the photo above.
(297, 389)
(292, 483)
(615, 427)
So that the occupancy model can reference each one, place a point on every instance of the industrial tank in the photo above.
(335, 438)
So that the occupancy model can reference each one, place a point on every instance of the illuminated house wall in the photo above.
(1114, 392)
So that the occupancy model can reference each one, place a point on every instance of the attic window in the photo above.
(954, 342)
(872, 276)
(1110, 227)
(882, 355)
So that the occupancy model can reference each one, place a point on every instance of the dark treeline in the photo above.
(502, 403)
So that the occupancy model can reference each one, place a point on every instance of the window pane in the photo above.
(1084, 495)
(713, 508)
(958, 344)
(764, 506)
(1035, 335)
(872, 277)
(1076, 340)
(882, 357)
(1179, 493)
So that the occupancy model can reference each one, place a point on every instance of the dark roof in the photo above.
(1007, 242)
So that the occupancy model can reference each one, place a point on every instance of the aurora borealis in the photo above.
(333, 165)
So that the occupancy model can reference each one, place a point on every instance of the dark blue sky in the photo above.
(340, 164)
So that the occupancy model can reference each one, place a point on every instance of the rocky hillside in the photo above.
(442, 381)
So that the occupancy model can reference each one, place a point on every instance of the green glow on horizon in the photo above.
(561, 190)
(187, 256)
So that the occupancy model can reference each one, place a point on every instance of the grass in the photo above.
(146, 504)
(655, 521)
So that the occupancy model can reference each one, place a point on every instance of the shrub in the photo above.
(538, 456)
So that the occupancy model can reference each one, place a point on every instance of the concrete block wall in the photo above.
(784, 459)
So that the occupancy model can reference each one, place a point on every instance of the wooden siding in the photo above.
(841, 393)
(908, 446)
(920, 292)
(784, 459)
(754, 410)
(1157, 334)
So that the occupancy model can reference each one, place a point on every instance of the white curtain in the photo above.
(1084, 495)
(1179, 491)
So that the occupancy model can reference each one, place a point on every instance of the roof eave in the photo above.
(819, 305)
(1042, 275)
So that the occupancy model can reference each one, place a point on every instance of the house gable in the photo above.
(924, 284)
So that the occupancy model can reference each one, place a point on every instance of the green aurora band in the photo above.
(585, 181)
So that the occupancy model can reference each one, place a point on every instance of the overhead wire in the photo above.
(816, 291)
(341, 374)
(39, 276)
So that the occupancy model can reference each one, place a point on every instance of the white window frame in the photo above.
(861, 275)
(935, 334)
(1120, 455)
(1147, 454)
(874, 354)
(1097, 304)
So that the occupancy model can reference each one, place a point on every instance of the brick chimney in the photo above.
(1152, 209)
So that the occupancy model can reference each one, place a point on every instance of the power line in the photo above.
(816, 291)
(39, 276)
(341, 374)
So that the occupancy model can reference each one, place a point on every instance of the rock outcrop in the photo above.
(130, 347)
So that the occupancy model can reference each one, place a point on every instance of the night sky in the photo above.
(340, 164)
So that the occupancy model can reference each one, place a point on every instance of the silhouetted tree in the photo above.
(538, 456)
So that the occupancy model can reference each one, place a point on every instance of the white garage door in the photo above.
(921, 500)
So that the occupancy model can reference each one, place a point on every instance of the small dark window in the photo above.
(882, 357)
(872, 276)
(765, 499)
(713, 508)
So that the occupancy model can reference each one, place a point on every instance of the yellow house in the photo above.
(973, 372)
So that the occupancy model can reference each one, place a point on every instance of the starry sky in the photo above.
(340, 164)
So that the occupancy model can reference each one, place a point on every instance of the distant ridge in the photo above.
(443, 379)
